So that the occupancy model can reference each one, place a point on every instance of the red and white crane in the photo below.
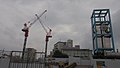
(26, 31)
(48, 34)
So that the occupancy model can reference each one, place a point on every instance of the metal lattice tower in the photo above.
(102, 34)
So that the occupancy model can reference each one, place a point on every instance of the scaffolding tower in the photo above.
(102, 34)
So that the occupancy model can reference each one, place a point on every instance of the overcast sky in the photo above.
(69, 19)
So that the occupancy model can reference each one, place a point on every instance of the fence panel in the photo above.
(30, 60)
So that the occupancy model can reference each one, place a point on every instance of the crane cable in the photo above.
(41, 23)
(43, 26)
(47, 26)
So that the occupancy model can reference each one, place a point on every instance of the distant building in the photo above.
(77, 52)
(30, 54)
(59, 45)
(69, 43)
(67, 48)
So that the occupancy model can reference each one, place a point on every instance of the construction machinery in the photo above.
(48, 34)
(26, 31)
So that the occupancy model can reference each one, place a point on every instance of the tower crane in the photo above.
(48, 34)
(26, 31)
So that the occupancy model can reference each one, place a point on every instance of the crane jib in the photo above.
(37, 18)
(41, 23)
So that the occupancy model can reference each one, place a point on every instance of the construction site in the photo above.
(103, 54)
